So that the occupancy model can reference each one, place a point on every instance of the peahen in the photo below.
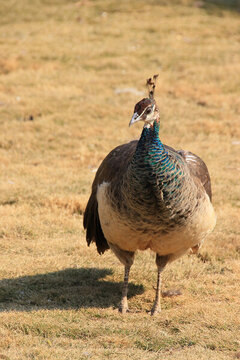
(146, 195)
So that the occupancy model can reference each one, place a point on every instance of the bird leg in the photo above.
(161, 262)
(126, 258)
(157, 303)
(123, 307)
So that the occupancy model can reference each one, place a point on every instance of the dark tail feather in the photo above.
(91, 222)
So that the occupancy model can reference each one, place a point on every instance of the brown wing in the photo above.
(198, 169)
(115, 163)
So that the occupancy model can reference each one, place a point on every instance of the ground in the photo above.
(70, 75)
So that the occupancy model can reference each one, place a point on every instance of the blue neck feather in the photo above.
(151, 150)
(151, 160)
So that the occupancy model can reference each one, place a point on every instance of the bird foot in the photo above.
(155, 310)
(123, 310)
(123, 307)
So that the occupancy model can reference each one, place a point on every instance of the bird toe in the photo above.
(155, 310)
(123, 310)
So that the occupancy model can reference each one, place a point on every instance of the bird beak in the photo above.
(134, 119)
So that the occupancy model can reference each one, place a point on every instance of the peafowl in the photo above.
(146, 195)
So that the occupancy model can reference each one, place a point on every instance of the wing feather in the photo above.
(198, 169)
(115, 164)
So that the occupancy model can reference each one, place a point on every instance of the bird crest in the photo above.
(151, 83)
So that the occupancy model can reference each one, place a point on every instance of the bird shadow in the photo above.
(65, 289)
(215, 6)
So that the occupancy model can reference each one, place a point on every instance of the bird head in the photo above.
(146, 110)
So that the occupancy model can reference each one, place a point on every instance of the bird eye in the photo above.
(148, 111)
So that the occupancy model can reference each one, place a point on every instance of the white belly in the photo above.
(117, 231)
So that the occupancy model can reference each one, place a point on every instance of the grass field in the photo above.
(70, 75)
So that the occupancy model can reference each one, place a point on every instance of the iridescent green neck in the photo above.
(152, 164)
(151, 152)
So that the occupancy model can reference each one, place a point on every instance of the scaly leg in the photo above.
(126, 258)
(123, 307)
(161, 262)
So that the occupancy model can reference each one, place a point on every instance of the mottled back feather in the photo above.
(198, 169)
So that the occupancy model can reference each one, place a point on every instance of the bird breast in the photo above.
(142, 234)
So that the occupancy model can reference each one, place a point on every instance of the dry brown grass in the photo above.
(60, 64)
